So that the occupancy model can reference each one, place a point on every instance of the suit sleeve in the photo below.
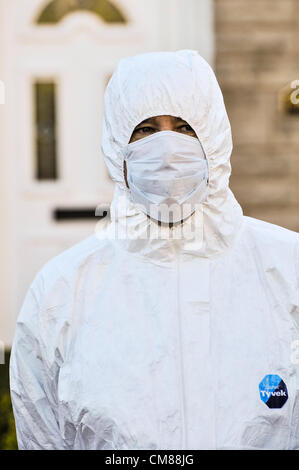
(295, 312)
(31, 387)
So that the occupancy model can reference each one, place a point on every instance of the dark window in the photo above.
(57, 9)
(45, 126)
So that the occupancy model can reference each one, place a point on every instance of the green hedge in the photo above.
(8, 440)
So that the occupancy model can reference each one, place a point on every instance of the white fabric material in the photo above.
(167, 174)
(158, 343)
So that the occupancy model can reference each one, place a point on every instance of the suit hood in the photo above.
(181, 84)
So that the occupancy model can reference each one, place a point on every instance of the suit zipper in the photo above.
(181, 363)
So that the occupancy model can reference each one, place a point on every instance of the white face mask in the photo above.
(167, 173)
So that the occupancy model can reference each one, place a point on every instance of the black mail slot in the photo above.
(75, 213)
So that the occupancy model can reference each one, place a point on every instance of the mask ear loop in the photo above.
(124, 104)
(125, 172)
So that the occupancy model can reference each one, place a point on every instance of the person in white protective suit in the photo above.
(140, 339)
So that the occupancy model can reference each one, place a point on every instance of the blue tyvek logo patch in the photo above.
(273, 391)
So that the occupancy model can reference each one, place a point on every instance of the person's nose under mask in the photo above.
(167, 174)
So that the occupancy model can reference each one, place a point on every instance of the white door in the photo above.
(58, 57)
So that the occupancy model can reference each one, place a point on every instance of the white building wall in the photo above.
(79, 53)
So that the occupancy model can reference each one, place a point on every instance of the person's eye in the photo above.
(145, 130)
(185, 128)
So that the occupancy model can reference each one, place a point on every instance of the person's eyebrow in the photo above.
(152, 120)
(180, 119)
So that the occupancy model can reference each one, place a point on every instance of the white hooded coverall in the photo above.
(144, 343)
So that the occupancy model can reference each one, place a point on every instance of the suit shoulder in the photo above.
(64, 267)
(271, 232)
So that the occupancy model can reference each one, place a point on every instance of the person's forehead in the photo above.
(155, 118)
